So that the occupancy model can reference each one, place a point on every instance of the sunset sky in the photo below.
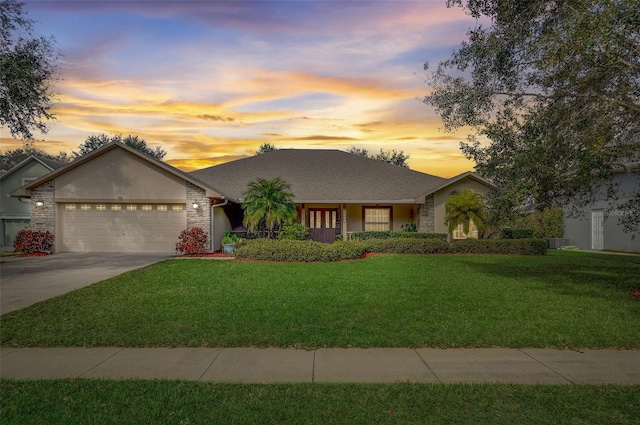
(210, 81)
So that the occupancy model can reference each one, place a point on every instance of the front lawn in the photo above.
(171, 402)
(564, 299)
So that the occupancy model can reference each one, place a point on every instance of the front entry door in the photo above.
(324, 224)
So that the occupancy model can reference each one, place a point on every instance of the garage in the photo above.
(115, 227)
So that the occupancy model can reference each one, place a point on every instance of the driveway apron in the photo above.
(27, 280)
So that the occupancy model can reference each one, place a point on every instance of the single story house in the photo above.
(15, 213)
(598, 226)
(119, 199)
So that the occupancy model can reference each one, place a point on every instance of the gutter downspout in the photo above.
(211, 244)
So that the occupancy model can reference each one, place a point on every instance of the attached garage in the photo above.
(117, 199)
(114, 227)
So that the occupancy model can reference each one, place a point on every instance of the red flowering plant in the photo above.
(30, 242)
(192, 241)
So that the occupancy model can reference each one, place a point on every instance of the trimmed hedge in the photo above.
(406, 246)
(517, 233)
(500, 246)
(299, 251)
(362, 236)
(310, 251)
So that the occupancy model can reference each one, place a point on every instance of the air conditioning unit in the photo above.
(557, 243)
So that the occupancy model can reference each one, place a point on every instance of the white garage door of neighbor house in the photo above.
(120, 227)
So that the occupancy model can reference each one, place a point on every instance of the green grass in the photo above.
(564, 299)
(171, 402)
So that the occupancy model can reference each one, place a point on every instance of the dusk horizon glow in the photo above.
(210, 82)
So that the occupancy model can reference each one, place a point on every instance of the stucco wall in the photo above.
(441, 197)
(221, 225)
(11, 207)
(578, 229)
(120, 175)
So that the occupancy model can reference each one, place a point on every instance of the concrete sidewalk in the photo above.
(266, 365)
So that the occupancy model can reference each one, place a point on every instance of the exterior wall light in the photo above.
(39, 203)
(195, 205)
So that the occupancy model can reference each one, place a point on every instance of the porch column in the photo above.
(344, 222)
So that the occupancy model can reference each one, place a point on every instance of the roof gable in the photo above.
(47, 163)
(25, 191)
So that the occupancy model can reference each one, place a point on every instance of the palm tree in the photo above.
(268, 204)
(463, 208)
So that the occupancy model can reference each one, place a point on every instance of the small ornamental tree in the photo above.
(268, 204)
(192, 241)
(463, 208)
(33, 242)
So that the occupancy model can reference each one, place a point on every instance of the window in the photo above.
(85, 207)
(70, 207)
(323, 218)
(146, 208)
(377, 219)
(162, 208)
(132, 207)
(459, 234)
(177, 207)
(101, 207)
(116, 207)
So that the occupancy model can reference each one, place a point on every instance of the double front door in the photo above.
(324, 224)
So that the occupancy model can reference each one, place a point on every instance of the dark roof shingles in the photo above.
(322, 175)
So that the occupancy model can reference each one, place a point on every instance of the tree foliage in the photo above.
(11, 158)
(555, 88)
(393, 157)
(27, 67)
(268, 204)
(463, 208)
(266, 147)
(97, 141)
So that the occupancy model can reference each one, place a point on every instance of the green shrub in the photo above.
(33, 241)
(362, 236)
(409, 227)
(544, 224)
(406, 246)
(500, 246)
(517, 233)
(310, 251)
(295, 232)
(299, 251)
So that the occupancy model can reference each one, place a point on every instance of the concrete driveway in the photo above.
(27, 280)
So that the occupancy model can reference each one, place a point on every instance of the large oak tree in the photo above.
(27, 68)
(555, 88)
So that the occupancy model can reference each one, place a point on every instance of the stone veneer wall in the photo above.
(200, 217)
(426, 212)
(44, 218)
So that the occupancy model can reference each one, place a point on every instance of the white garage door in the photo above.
(120, 227)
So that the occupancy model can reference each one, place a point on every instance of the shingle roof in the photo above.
(323, 176)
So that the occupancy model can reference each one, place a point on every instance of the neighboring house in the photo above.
(118, 199)
(598, 226)
(15, 213)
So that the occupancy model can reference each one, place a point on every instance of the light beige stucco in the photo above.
(442, 196)
(121, 176)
